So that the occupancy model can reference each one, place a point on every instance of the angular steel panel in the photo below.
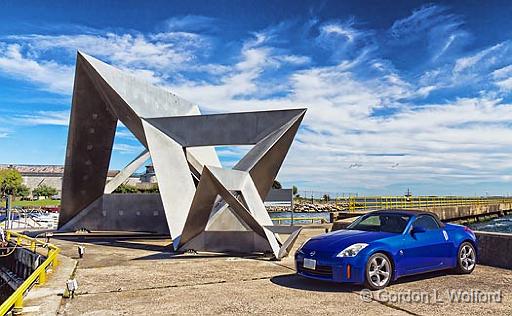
(245, 128)
(175, 182)
(90, 139)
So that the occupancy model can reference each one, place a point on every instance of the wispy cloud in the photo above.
(47, 74)
(127, 148)
(192, 23)
(43, 118)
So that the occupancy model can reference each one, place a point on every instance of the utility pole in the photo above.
(291, 222)
(8, 211)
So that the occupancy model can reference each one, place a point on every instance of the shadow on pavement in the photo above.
(294, 281)
(169, 255)
(424, 276)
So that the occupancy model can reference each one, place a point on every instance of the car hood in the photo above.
(341, 239)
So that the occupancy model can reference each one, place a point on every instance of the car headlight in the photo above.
(352, 251)
(300, 247)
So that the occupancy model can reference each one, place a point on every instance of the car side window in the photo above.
(427, 222)
(371, 221)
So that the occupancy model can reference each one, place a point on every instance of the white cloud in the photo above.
(196, 23)
(503, 72)
(162, 50)
(49, 75)
(44, 118)
(344, 30)
(505, 84)
(476, 60)
(127, 149)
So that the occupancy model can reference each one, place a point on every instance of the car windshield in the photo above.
(390, 223)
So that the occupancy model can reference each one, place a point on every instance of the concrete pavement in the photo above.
(141, 277)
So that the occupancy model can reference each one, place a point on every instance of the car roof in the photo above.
(408, 212)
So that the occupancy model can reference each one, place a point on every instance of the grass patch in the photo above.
(37, 203)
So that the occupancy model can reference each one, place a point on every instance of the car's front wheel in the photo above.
(466, 258)
(378, 271)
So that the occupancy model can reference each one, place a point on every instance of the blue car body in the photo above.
(410, 253)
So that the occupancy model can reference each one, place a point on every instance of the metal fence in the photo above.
(413, 202)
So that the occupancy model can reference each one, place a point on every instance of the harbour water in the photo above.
(499, 225)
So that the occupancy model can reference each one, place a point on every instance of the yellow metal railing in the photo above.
(413, 202)
(16, 299)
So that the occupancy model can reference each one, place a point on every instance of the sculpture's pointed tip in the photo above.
(81, 54)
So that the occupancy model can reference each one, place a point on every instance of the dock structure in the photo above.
(448, 208)
(25, 263)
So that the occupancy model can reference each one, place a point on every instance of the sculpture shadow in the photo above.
(294, 281)
(170, 255)
(120, 243)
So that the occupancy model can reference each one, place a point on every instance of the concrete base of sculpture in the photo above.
(145, 213)
(122, 212)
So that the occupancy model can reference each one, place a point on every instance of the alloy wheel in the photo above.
(467, 257)
(379, 271)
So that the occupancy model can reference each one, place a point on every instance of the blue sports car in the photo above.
(381, 246)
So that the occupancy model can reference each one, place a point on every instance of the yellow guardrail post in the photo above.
(55, 262)
(15, 301)
(42, 277)
(18, 305)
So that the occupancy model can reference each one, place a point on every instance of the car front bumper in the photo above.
(342, 270)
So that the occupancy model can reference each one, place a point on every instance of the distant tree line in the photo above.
(128, 188)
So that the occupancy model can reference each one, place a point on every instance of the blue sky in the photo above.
(400, 95)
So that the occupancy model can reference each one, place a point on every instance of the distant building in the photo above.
(149, 175)
(51, 175)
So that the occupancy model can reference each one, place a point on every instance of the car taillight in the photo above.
(467, 229)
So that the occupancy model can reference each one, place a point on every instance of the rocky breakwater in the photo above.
(304, 207)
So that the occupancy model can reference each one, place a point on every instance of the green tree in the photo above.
(126, 188)
(326, 197)
(295, 190)
(152, 189)
(22, 191)
(44, 190)
(10, 179)
(276, 185)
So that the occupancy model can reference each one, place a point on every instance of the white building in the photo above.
(51, 175)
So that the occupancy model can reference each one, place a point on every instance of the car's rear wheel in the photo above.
(378, 271)
(466, 258)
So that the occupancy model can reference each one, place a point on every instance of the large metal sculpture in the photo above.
(206, 207)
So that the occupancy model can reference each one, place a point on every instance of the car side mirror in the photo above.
(418, 229)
